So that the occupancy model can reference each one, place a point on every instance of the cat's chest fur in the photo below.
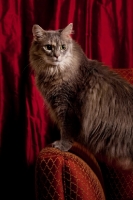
(59, 89)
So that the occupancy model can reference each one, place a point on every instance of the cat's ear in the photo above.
(68, 30)
(38, 32)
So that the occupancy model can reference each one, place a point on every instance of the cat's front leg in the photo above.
(64, 144)
(69, 127)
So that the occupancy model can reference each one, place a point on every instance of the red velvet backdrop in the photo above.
(104, 28)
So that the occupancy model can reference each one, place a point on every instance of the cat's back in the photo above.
(104, 87)
(102, 73)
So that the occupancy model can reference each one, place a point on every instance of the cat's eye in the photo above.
(48, 47)
(63, 47)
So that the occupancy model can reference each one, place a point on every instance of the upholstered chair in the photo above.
(68, 175)
(78, 175)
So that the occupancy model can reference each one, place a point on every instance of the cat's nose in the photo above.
(56, 55)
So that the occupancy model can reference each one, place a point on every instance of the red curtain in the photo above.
(103, 28)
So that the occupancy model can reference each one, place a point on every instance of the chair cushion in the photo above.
(118, 182)
(64, 175)
(126, 74)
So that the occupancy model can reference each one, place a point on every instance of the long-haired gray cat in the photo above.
(89, 102)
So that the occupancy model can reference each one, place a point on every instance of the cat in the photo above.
(89, 102)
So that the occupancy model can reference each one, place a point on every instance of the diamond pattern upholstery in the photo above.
(64, 175)
(126, 73)
(118, 183)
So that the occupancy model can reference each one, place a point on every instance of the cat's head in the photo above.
(52, 47)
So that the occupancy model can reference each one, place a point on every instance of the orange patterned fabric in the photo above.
(64, 176)
(118, 183)
(126, 73)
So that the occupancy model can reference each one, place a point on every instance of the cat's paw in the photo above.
(63, 146)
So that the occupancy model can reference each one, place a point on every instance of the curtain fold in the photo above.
(103, 28)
